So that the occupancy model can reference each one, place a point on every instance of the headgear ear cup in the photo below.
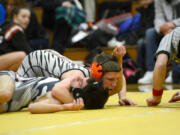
(96, 71)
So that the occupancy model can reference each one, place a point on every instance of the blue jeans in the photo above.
(141, 54)
(152, 42)
(175, 72)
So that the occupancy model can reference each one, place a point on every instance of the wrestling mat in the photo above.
(113, 120)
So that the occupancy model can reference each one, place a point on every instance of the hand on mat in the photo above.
(175, 97)
(119, 51)
(153, 101)
(126, 101)
(76, 105)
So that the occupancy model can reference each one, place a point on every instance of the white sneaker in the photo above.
(169, 78)
(114, 42)
(147, 78)
(79, 36)
(145, 88)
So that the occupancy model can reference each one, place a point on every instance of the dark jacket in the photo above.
(12, 38)
(49, 8)
(147, 19)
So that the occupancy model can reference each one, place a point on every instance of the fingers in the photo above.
(127, 101)
(175, 97)
(149, 102)
(78, 104)
(152, 101)
(119, 51)
(121, 102)
(132, 103)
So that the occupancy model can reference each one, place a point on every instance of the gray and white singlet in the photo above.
(27, 90)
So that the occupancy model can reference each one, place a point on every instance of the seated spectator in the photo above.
(61, 16)
(12, 32)
(68, 17)
(146, 21)
(90, 9)
(37, 37)
(167, 18)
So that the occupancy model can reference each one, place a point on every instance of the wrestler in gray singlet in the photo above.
(27, 90)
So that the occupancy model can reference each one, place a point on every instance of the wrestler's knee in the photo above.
(6, 88)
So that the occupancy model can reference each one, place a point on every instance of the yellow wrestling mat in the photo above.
(113, 120)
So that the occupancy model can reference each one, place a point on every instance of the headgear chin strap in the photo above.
(96, 71)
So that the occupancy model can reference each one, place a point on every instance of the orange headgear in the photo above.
(96, 71)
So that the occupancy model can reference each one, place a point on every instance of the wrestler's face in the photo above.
(110, 80)
(22, 18)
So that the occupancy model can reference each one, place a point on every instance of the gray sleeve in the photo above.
(169, 44)
(159, 15)
(177, 22)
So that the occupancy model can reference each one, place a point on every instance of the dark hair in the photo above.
(94, 95)
(17, 2)
(17, 10)
(108, 62)
(169, 1)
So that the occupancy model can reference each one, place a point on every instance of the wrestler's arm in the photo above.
(45, 106)
(61, 90)
(119, 52)
(175, 97)
(51, 105)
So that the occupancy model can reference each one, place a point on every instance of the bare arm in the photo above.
(48, 105)
(51, 105)
(61, 90)
(121, 88)
(119, 52)
(122, 93)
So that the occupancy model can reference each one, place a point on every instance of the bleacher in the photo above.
(81, 53)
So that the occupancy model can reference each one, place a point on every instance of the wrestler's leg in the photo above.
(7, 87)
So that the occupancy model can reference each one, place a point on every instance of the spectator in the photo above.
(167, 17)
(12, 32)
(146, 21)
(90, 8)
(68, 17)
(37, 37)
